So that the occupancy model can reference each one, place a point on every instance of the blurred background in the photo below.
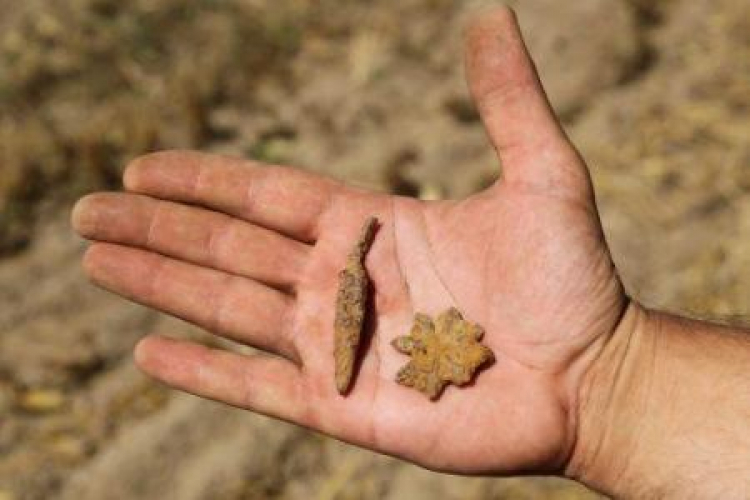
(656, 94)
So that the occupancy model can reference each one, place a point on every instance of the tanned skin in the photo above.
(587, 382)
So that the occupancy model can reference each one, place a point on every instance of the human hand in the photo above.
(253, 252)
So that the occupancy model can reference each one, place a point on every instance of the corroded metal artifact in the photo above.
(351, 305)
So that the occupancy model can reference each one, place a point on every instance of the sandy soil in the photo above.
(655, 94)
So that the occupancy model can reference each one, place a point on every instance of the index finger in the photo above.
(283, 199)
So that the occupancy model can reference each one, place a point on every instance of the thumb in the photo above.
(531, 144)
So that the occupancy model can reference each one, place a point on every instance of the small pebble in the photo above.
(41, 400)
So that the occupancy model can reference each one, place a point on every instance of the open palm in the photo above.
(253, 252)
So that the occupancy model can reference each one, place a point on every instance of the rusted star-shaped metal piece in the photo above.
(445, 351)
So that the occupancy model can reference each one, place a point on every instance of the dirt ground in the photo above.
(656, 94)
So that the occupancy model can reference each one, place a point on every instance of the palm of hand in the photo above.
(519, 274)
(255, 257)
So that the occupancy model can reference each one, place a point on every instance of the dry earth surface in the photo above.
(655, 93)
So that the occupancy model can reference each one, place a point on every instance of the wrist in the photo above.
(664, 411)
(613, 403)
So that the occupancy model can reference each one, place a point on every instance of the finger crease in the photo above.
(151, 231)
(252, 196)
(216, 239)
(155, 277)
(289, 332)
(198, 182)
(325, 207)
(218, 303)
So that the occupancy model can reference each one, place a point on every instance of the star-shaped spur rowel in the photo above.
(442, 352)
